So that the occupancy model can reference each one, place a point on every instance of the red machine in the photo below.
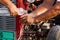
(19, 24)
(22, 6)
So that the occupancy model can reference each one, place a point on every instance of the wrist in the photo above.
(33, 15)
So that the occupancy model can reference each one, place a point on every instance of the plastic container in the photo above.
(6, 35)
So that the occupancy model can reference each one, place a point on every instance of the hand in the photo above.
(13, 11)
(28, 18)
(31, 19)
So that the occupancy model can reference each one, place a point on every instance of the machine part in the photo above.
(19, 27)
(54, 33)
(30, 1)
(19, 24)
(4, 12)
(38, 2)
(22, 11)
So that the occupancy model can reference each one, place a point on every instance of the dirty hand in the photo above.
(28, 18)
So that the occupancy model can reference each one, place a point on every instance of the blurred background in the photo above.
(37, 31)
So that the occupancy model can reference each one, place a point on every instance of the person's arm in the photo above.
(46, 5)
(7, 3)
(11, 7)
(35, 15)
(54, 11)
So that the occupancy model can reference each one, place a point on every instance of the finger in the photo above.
(24, 15)
(17, 13)
(24, 20)
(11, 14)
(14, 14)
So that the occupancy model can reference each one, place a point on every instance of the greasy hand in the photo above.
(28, 18)
(13, 11)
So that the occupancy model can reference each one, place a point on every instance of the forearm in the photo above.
(45, 6)
(49, 14)
(7, 3)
